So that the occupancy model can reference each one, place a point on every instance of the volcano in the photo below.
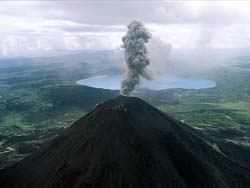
(127, 143)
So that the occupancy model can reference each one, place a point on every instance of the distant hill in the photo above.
(126, 143)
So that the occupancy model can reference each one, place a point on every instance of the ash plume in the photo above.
(136, 56)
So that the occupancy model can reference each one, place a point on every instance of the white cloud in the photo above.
(37, 25)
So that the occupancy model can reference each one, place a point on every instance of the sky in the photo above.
(38, 26)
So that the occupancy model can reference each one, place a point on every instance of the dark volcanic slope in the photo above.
(126, 143)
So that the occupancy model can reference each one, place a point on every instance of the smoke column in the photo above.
(136, 56)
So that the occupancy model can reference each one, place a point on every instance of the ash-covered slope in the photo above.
(126, 143)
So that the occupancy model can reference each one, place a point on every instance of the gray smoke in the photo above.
(136, 56)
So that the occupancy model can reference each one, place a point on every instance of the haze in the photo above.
(33, 27)
(61, 59)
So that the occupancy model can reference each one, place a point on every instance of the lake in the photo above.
(158, 83)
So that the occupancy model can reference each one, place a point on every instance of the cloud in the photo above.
(32, 25)
(159, 52)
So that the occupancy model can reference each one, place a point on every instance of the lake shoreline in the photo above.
(162, 82)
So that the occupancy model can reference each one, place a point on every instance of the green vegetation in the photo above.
(39, 100)
(222, 112)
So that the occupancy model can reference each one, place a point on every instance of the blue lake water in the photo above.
(158, 83)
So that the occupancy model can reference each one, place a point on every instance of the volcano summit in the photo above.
(126, 143)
